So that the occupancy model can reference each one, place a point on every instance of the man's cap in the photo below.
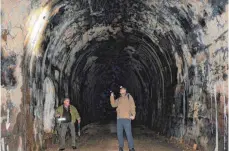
(122, 87)
(67, 99)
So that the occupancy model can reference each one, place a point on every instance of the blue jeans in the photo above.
(126, 125)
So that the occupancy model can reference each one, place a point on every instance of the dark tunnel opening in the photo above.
(122, 61)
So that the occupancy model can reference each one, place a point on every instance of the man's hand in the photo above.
(57, 115)
(79, 121)
(132, 117)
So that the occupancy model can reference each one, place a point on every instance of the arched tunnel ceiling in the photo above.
(88, 47)
(74, 26)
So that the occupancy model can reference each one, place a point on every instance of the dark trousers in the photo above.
(124, 124)
(63, 131)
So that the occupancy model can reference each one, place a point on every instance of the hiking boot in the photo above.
(132, 149)
(74, 147)
(120, 149)
(62, 149)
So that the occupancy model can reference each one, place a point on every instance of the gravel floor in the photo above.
(102, 137)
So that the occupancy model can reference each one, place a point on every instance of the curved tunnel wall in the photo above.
(167, 54)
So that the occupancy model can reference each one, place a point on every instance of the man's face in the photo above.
(66, 102)
(122, 90)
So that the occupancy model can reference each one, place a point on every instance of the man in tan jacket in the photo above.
(126, 112)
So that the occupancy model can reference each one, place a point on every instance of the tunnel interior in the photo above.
(131, 58)
(88, 49)
(124, 60)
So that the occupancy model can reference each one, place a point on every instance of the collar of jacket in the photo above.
(122, 95)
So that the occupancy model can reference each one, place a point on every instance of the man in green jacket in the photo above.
(68, 114)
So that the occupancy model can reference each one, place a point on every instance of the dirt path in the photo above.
(97, 137)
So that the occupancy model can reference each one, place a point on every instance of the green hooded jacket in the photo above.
(74, 113)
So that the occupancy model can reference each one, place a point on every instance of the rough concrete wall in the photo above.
(201, 98)
(14, 15)
(206, 83)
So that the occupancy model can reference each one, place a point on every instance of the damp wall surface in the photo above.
(171, 55)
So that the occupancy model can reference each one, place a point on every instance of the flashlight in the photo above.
(61, 119)
(78, 129)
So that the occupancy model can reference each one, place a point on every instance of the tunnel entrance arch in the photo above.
(49, 104)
